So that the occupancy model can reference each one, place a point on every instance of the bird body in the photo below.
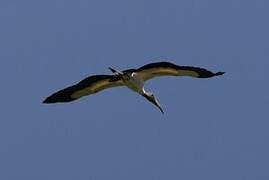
(134, 79)
(134, 82)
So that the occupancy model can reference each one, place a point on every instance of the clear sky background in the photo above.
(212, 128)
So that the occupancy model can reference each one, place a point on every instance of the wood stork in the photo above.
(132, 78)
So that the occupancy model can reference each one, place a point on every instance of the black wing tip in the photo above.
(50, 100)
(203, 73)
(58, 98)
(219, 73)
(47, 101)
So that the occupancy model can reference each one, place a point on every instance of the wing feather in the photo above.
(152, 70)
(87, 86)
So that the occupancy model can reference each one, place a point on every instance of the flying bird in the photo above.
(134, 79)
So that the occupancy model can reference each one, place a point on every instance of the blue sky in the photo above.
(212, 128)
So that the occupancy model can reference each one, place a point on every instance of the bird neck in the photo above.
(145, 93)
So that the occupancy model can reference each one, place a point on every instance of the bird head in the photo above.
(150, 97)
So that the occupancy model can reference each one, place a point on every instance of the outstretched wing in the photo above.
(152, 70)
(90, 85)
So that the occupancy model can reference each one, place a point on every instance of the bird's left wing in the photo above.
(152, 70)
(90, 85)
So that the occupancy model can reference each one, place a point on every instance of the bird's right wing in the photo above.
(89, 85)
(152, 70)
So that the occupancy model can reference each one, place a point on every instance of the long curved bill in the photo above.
(155, 102)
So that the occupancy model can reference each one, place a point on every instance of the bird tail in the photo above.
(117, 72)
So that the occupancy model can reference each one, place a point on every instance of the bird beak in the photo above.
(154, 101)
